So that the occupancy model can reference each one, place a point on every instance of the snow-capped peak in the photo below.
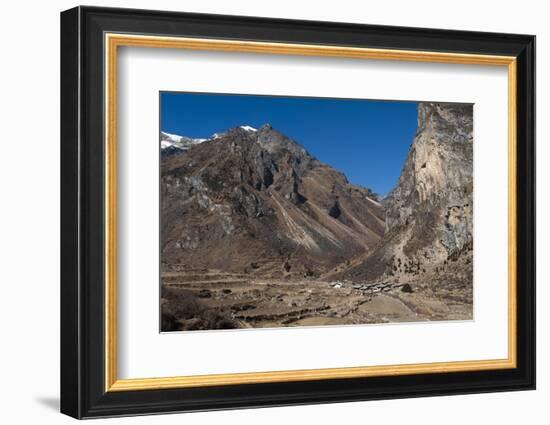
(173, 143)
(216, 136)
(248, 128)
(171, 137)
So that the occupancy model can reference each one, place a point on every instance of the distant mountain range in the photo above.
(255, 201)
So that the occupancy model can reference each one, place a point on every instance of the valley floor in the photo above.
(200, 300)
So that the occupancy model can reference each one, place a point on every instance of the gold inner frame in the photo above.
(113, 41)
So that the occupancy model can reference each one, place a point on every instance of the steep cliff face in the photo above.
(428, 233)
(256, 200)
(435, 187)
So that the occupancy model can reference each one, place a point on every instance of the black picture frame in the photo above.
(83, 392)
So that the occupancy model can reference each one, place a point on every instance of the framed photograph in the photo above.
(261, 212)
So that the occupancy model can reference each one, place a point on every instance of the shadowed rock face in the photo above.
(428, 226)
(257, 201)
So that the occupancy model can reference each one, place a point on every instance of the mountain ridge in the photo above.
(422, 229)
(264, 184)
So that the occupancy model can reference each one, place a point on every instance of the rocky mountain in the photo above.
(255, 201)
(428, 215)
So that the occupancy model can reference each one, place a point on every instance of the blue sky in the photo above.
(366, 140)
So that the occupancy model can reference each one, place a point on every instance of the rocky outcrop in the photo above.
(256, 201)
(428, 225)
